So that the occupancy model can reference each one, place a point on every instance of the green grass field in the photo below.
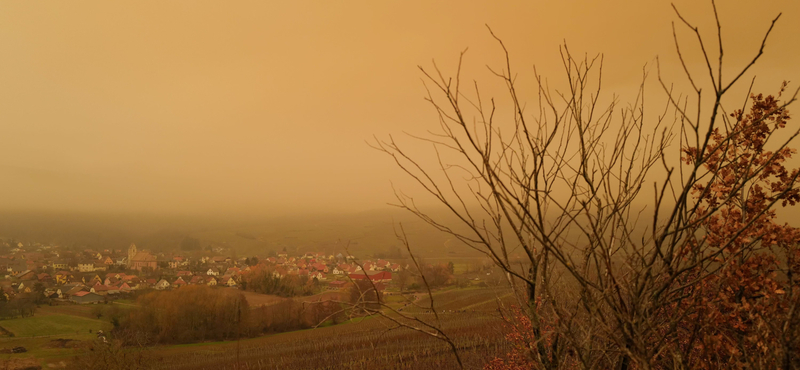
(54, 324)
(36, 334)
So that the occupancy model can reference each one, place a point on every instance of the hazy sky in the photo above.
(265, 106)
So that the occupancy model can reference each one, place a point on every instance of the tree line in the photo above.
(190, 314)
(198, 313)
(263, 280)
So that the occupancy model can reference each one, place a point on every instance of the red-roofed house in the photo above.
(179, 282)
(86, 297)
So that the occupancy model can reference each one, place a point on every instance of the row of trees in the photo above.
(435, 275)
(190, 314)
(263, 280)
(290, 314)
(199, 313)
(23, 305)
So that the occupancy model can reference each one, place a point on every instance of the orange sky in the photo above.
(265, 106)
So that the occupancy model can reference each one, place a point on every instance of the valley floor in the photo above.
(469, 316)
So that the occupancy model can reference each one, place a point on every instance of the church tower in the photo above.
(131, 254)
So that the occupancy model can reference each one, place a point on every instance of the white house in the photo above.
(162, 284)
(86, 266)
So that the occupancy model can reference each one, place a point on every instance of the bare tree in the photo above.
(610, 279)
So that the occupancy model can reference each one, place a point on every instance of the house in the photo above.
(108, 261)
(394, 267)
(92, 281)
(86, 297)
(342, 269)
(162, 284)
(59, 264)
(53, 293)
(72, 290)
(100, 289)
(63, 277)
(227, 280)
(179, 282)
(212, 272)
(86, 266)
(27, 275)
(320, 267)
(44, 277)
(211, 281)
(317, 275)
(131, 279)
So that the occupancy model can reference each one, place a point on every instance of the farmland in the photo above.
(54, 324)
(467, 315)
(473, 299)
(366, 344)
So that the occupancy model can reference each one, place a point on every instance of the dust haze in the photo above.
(230, 112)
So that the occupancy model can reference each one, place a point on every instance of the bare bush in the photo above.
(697, 273)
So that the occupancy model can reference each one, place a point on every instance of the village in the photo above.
(91, 276)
